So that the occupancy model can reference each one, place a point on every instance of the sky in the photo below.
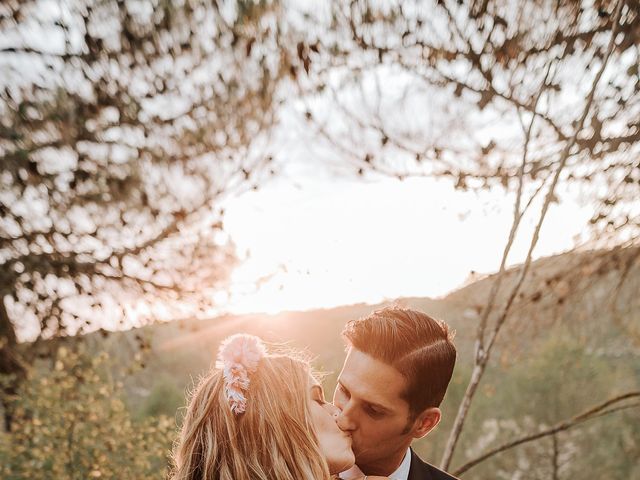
(317, 239)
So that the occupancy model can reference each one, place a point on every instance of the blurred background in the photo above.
(175, 171)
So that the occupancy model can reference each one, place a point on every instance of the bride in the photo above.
(260, 416)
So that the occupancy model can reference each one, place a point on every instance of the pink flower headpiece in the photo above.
(238, 357)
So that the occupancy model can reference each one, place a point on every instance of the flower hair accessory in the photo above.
(238, 357)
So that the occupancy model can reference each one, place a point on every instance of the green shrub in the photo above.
(71, 423)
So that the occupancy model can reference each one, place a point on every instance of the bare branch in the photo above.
(517, 217)
(483, 356)
(591, 413)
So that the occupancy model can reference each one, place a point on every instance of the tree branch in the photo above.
(593, 412)
(482, 357)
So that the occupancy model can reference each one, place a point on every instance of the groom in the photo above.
(399, 363)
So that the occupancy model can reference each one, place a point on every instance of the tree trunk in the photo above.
(11, 364)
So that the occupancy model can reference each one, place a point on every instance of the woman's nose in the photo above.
(333, 410)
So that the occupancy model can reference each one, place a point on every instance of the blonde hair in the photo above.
(273, 439)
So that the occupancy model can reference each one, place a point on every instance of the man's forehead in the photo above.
(372, 380)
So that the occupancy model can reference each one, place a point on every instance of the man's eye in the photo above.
(372, 412)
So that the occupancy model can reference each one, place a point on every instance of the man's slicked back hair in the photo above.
(413, 343)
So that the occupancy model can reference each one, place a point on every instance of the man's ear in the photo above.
(426, 422)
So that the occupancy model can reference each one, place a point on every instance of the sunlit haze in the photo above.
(325, 241)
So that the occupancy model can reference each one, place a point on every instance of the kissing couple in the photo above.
(260, 415)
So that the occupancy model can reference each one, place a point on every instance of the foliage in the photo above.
(478, 91)
(123, 126)
(118, 139)
(71, 422)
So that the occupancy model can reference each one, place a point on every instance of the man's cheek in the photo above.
(366, 430)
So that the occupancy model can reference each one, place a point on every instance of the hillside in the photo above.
(580, 290)
(576, 292)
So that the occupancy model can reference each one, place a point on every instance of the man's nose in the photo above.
(344, 419)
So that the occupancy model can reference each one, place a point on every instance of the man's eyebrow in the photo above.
(377, 406)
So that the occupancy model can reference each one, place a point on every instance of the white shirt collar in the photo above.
(402, 472)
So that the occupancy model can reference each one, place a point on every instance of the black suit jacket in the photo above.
(423, 471)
